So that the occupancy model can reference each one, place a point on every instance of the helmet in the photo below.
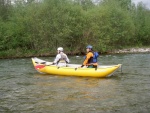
(60, 49)
(89, 47)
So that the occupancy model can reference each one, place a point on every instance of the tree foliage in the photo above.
(39, 27)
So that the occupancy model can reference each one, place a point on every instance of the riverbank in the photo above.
(30, 54)
(132, 50)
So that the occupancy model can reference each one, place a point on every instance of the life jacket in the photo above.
(63, 58)
(94, 58)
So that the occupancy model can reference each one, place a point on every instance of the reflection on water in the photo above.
(24, 90)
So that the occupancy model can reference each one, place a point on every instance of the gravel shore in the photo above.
(133, 50)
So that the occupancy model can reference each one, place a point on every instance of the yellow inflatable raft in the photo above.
(72, 70)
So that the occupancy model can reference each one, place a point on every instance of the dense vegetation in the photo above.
(38, 28)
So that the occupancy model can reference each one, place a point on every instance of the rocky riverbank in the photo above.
(119, 51)
(132, 50)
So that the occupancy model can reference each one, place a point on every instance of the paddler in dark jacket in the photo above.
(88, 61)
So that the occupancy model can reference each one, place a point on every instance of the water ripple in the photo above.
(23, 90)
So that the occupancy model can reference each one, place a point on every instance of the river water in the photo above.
(24, 90)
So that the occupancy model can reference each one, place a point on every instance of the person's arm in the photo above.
(88, 56)
(67, 59)
(57, 58)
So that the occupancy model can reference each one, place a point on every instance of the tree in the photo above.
(142, 23)
(5, 9)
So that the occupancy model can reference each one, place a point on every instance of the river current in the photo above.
(24, 90)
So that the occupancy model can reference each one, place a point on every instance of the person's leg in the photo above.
(90, 66)
(61, 64)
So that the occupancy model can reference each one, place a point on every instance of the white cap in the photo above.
(60, 49)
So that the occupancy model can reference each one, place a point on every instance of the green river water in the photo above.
(24, 90)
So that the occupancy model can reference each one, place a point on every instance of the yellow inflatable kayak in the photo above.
(72, 70)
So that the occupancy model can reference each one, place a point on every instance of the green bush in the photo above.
(41, 27)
